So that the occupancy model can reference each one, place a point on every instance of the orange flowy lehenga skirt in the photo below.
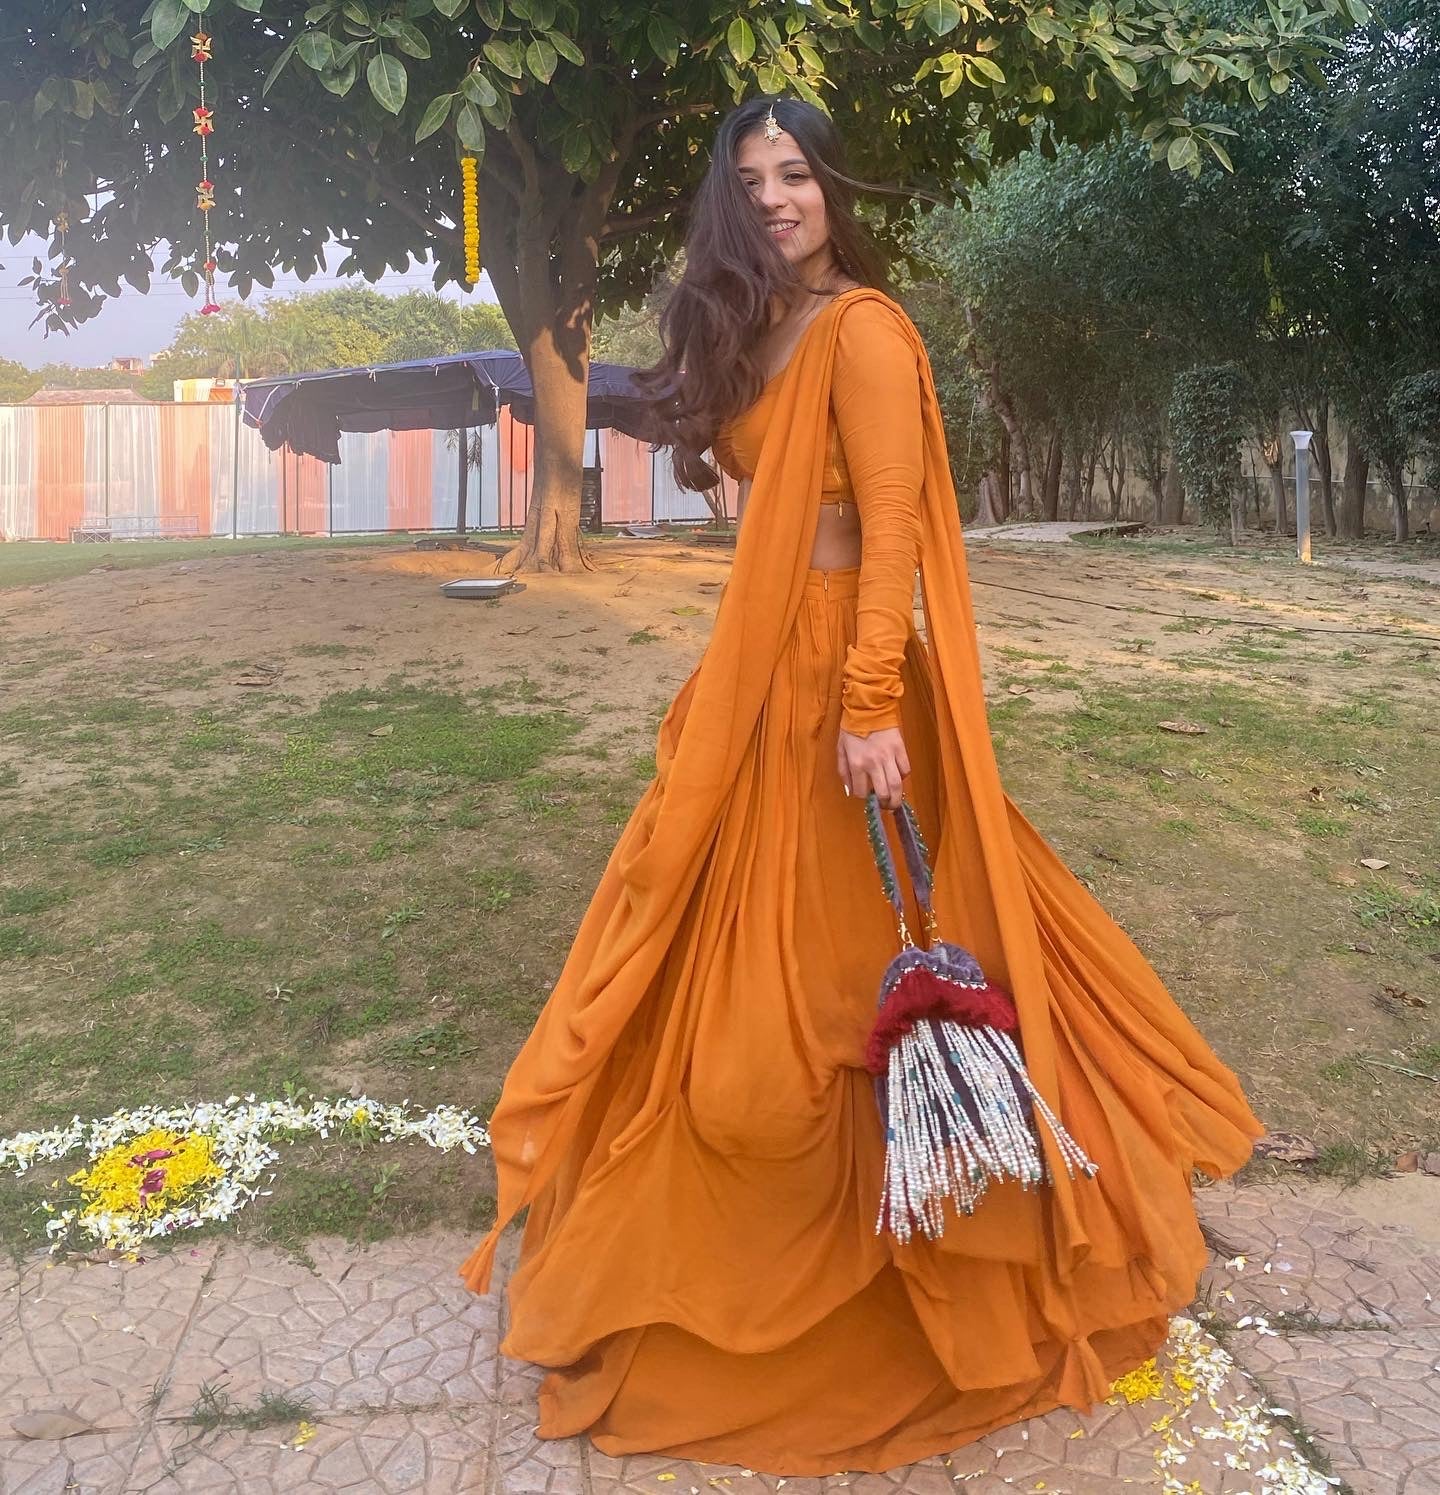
(701, 1150)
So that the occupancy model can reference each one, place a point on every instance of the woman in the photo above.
(689, 1123)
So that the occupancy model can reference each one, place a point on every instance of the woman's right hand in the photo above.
(877, 761)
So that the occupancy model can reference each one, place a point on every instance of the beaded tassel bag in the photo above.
(958, 1106)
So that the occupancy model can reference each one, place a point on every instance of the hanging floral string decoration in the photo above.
(201, 52)
(469, 168)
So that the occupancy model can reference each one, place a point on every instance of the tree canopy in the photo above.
(340, 328)
(344, 122)
(1088, 284)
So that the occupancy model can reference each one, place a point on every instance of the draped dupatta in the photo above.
(985, 889)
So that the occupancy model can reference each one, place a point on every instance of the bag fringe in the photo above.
(960, 1112)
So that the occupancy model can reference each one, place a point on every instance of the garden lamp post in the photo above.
(1302, 493)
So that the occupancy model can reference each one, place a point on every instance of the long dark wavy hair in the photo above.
(734, 278)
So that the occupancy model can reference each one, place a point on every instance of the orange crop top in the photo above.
(876, 459)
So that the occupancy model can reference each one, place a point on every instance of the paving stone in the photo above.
(1359, 1356)
(408, 1392)
(92, 1464)
(388, 1326)
(417, 1453)
(96, 1338)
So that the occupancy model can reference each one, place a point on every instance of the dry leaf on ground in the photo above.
(58, 1423)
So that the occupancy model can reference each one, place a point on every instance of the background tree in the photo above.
(312, 330)
(591, 122)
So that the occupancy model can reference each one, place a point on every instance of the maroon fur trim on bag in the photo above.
(921, 994)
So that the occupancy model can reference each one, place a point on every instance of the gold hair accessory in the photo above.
(772, 126)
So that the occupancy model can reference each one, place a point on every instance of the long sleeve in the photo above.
(875, 397)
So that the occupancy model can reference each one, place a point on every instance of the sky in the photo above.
(133, 325)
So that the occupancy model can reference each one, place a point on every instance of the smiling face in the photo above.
(781, 184)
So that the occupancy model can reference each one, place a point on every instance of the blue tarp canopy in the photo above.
(308, 412)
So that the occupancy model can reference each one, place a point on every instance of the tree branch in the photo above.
(634, 223)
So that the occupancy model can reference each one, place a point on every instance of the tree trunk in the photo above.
(985, 509)
(1002, 475)
(551, 540)
(1173, 494)
(1325, 466)
(1272, 451)
(994, 396)
(1114, 470)
(1072, 487)
(1092, 461)
(1050, 498)
(1395, 478)
(1352, 502)
(547, 229)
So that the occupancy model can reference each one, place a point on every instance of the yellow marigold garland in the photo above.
(469, 168)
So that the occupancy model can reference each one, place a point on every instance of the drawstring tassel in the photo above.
(959, 1108)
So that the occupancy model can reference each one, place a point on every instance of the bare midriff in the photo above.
(837, 544)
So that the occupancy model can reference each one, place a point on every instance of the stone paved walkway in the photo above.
(1048, 531)
(403, 1388)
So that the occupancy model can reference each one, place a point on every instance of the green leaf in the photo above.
(540, 58)
(497, 115)
(340, 80)
(478, 89)
(411, 40)
(167, 21)
(274, 73)
(1358, 11)
(437, 111)
(357, 13)
(1279, 82)
(770, 78)
(1183, 152)
(1221, 155)
(505, 55)
(575, 150)
(317, 50)
(1040, 27)
(740, 38)
(82, 100)
(941, 16)
(1124, 74)
(542, 14)
(253, 6)
(450, 8)
(388, 81)
(664, 39)
(988, 69)
(566, 47)
(492, 12)
(470, 127)
(198, 6)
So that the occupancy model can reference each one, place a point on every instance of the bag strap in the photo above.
(917, 863)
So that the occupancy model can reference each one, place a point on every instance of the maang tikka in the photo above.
(772, 126)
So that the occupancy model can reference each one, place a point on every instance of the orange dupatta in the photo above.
(992, 870)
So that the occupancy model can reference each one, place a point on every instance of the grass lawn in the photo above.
(29, 563)
(367, 875)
